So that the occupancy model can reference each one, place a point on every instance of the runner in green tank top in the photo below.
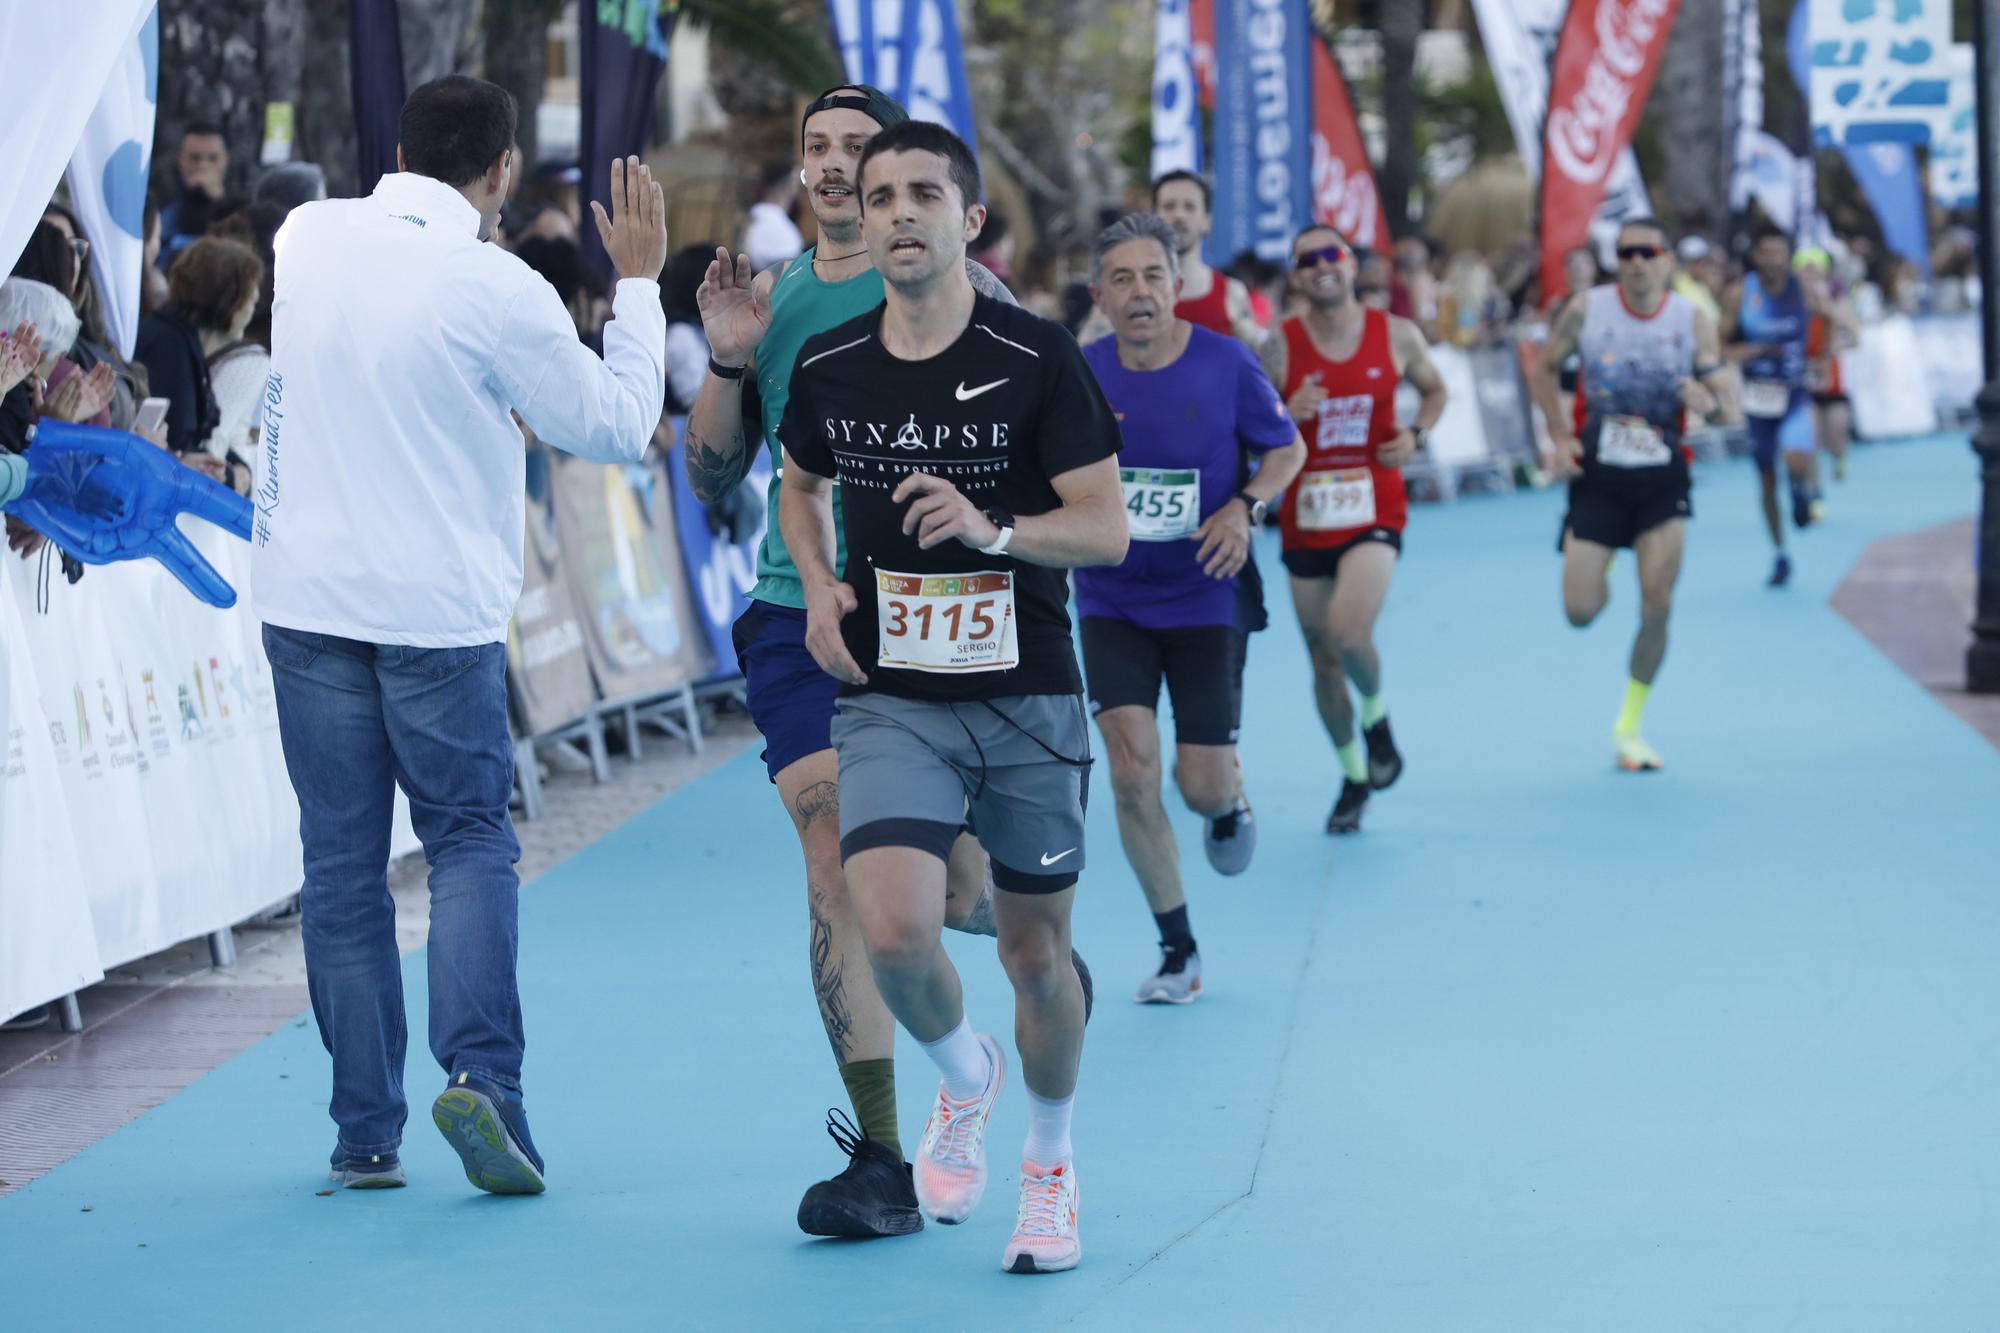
(755, 326)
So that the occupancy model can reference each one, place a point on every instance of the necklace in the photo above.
(823, 259)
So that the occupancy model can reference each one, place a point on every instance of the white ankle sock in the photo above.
(962, 1060)
(1048, 1129)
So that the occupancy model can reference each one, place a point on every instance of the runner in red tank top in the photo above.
(1182, 198)
(1338, 365)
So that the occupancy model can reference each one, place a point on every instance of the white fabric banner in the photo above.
(145, 798)
(1520, 40)
(57, 59)
(1879, 71)
(1888, 383)
(1176, 97)
(1955, 138)
(1743, 93)
(107, 178)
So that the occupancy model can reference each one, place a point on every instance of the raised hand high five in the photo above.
(735, 308)
(635, 232)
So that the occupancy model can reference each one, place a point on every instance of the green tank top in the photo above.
(801, 306)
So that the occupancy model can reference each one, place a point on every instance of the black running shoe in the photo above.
(1781, 571)
(1385, 762)
(1089, 990)
(1802, 514)
(874, 1196)
(1346, 816)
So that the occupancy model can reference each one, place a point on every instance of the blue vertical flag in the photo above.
(624, 47)
(910, 50)
(1176, 98)
(1263, 126)
(375, 38)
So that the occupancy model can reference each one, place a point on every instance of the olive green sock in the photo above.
(871, 1086)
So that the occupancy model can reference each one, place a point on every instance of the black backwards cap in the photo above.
(877, 105)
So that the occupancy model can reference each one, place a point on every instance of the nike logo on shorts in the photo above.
(1048, 860)
(966, 395)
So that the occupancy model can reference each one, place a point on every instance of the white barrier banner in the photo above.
(47, 944)
(1887, 382)
(146, 799)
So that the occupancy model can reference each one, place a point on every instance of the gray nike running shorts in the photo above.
(911, 771)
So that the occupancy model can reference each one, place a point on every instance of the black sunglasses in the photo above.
(1641, 251)
(1326, 254)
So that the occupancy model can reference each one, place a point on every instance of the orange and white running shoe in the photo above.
(951, 1164)
(1045, 1239)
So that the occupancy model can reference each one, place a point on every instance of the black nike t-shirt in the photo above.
(1008, 406)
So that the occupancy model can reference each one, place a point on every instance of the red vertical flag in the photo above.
(1343, 184)
(1201, 18)
(1604, 67)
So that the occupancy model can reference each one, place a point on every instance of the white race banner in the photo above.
(1955, 138)
(1879, 69)
(107, 179)
(1176, 99)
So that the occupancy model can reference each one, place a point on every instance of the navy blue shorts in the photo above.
(1792, 433)
(790, 698)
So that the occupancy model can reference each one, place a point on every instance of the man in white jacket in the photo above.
(390, 510)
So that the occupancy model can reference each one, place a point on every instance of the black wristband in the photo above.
(720, 371)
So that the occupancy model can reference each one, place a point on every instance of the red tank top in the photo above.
(1343, 492)
(1211, 311)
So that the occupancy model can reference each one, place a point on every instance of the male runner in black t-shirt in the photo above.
(974, 452)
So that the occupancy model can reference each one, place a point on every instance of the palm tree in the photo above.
(1401, 22)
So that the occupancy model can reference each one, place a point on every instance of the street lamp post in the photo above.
(1982, 659)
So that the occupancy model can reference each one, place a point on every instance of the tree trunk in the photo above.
(1402, 23)
(210, 71)
(517, 50)
(1687, 110)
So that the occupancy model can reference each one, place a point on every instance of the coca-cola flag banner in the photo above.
(1880, 69)
(1343, 184)
(1201, 23)
(1263, 127)
(1520, 41)
(1605, 62)
(1176, 104)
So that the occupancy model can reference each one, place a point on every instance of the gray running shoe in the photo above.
(1231, 840)
(1177, 982)
(378, 1171)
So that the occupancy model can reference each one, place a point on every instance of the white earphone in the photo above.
(802, 175)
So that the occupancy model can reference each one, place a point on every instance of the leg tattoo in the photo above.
(828, 988)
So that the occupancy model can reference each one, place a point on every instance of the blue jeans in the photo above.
(357, 720)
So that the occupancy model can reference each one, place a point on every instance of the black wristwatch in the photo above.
(1257, 507)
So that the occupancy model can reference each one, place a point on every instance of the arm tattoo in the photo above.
(714, 472)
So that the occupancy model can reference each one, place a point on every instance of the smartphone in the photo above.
(152, 413)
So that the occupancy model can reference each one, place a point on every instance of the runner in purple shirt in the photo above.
(1188, 402)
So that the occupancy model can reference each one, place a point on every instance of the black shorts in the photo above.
(1203, 666)
(1831, 399)
(1308, 562)
(1616, 516)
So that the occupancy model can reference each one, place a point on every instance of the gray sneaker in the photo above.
(1231, 840)
(1177, 982)
(379, 1171)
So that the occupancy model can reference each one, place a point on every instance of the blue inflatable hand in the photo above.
(106, 496)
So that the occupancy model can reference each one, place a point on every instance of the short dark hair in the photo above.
(453, 128)
(213, 279)
(560, 263)
(1194, 178)
(1647, 223)
(924, 136)
(205, 128)
(1309, 229)
(1767, 231)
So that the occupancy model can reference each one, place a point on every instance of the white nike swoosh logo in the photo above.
(1048, 860)
(966, 395)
